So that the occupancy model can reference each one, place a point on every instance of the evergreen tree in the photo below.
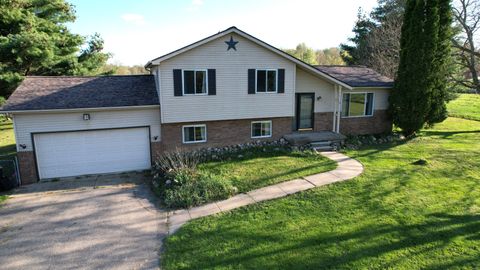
(34, 40)
(420, 87)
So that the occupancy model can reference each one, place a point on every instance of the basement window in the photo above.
(194, 134)
(261, 129)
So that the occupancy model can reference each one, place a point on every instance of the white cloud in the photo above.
(135, 19)
(195, 5)
(197, 2)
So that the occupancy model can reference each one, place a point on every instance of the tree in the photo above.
(355, 52)
(34, 40)
(420, 92)
(467, 20)
(330, 56)
(304, 53)
(376, 43)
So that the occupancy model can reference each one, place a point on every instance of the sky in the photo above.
(136, 31)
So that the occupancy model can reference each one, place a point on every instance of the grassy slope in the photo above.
(261, 169)
(465, 106)
(395, 215)
(7, 145)
(7, 140)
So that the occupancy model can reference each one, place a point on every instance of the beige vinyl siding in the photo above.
(308, 83)
(232, 100)
(25, 124)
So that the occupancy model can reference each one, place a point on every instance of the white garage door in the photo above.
(92, 152)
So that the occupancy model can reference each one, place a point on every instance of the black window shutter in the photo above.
(251, 81)
(177, 82)
(212, 82)
(281, 81)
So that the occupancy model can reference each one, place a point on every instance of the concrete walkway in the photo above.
(347, 168)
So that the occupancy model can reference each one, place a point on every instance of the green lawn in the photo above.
(259, 169)
(465, 106)
(395, 216)
(7, 139)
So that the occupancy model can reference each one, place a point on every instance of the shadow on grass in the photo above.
(7, 151)
(435, 233)
(447, 134)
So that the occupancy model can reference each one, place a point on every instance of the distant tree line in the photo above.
(330, 56)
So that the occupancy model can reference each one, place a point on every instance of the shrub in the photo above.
(189, 189)
(179, 184)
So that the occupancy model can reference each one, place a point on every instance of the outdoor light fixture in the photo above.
(155, 138)
(319, 97)
(86, 116)
(23, 146)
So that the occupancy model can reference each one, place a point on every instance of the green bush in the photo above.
(179, 184)
(192, 188)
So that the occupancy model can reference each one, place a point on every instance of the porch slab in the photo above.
(306, 137)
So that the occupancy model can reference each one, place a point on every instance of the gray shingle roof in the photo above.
(64, 92)
(357, 76)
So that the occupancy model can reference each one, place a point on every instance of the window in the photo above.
(357, 104)
(194, 82)
(266, 80)
(194, 134)
(261, 129)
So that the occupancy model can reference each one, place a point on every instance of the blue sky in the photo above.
(136, 31)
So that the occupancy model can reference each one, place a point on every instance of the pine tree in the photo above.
(420, 87)
(35, 40)
(443, 61)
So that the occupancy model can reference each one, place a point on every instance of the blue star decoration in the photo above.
(231, 44)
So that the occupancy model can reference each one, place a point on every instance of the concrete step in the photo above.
(321, 143)
(323, 148)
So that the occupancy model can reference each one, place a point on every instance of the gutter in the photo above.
(119, 108)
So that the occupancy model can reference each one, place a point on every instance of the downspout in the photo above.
(339, 110)
(334, 109)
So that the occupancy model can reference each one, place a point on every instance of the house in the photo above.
(226, 89)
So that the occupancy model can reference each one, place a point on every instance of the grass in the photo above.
(465, 106)
(394, 216)
(7, 139)
(255, 169)
(3, 198)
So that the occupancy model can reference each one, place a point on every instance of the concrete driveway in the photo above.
(106, 222)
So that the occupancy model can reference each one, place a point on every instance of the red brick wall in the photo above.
(222, 133)
(323, 121)
(156, 148)
(28, 171)
(378, 123)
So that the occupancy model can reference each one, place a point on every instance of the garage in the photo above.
(63, 154)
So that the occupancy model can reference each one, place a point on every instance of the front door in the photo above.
(304, 117)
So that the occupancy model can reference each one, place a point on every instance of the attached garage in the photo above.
(63, 154)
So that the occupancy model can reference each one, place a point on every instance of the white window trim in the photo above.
(266, 80)
(261, 122)
(194, 126)
(194, 82)
(364, 107)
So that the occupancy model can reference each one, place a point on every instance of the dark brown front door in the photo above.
(304, 113)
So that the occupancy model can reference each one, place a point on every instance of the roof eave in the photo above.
(116, 108)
